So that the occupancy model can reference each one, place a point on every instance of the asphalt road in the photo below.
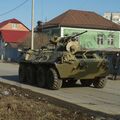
(106, 100)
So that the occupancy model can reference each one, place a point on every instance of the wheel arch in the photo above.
(50, 65)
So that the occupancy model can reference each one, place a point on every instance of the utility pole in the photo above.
(32, 22)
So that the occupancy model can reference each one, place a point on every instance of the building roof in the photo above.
(14, 36)
(11, 21)
(82, 19)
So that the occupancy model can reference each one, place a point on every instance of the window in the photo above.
(100, 39)
(110, 39)
(107, 17)
(14, 26)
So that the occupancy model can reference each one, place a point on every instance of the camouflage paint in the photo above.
(74, 71)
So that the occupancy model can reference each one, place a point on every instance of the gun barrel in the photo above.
(79, 34)
(63, 39)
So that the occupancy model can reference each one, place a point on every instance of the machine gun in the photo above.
(65, 39)
(71, 37)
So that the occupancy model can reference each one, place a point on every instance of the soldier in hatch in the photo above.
(55, 40)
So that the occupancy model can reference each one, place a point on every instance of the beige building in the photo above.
(113, 16)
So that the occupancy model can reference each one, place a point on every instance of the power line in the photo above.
(5, 13)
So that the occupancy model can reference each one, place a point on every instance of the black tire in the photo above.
(53, 82)
(100, 83)
(30, 75)
(86, 83)
(22, 73)
(40, 77)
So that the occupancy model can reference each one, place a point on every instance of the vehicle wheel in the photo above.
(100, 83)
(86, 83)
(22, 73)
(53, 82)
(30, 75)
(40, 77)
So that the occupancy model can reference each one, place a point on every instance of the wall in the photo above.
(8, 53)
(91, 38)
(20, 27)
(52, 32)
(1, 48)
(11, 54)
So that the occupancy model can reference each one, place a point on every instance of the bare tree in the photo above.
(40, 39)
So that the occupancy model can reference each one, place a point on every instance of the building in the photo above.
(102, 33)
(12, 33)
(113, 16)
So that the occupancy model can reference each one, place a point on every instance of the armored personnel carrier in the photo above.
(62, 62)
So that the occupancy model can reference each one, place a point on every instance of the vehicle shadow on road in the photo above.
(11, 78)
(71, 86)
(16, 79)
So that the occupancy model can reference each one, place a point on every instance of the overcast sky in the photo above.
(48, 9)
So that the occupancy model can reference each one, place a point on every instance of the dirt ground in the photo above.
(20, 104)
